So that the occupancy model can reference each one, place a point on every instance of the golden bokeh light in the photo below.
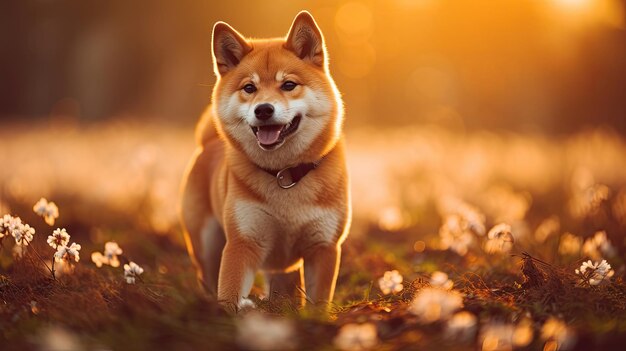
(574, 4)
(393, 219)
(354, 22)
(579, 13)
(419, 246)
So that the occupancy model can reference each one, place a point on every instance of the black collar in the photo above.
(290, 176)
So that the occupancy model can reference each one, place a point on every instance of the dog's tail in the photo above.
(205, 129)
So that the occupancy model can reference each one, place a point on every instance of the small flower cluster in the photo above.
(59, 238)
(110, 257)
(499, 239)
(440, 280)
(131, 272)
(461, 222)
(356, 337)
(59, 241)
(68, 254)
(434, 304)
(48, 210)
(24, 235)
(455, 235)
(437, 302)
(391, 282)
(111, 251)
(13, 226)
(595, 273)
(255, 331)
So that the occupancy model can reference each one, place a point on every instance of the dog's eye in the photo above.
(288, 86)
(249, 88)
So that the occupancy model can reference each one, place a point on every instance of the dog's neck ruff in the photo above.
(290, 176)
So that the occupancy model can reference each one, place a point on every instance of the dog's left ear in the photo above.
(229, 48)
(306, 41)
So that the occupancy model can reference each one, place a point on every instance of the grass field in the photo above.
(426, 200)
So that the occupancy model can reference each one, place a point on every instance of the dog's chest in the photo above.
(286, 223)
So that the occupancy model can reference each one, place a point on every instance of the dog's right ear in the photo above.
(229, 47)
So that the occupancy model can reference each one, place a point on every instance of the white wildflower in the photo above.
(23, 234)
(245, 304)
(455, 235)
(598, 246)
(59, 237)
(5, 224)
(98, 258)
(461, 326)
(499, 239)
(111, 251)
(557, 334)
(48, 210)
(473, 219)
(391, 282)
(68, 253)
(440, 280)
(569, 244)
(356, 337)
(461, 222)
(595, 273)
(256, 331)
(131, 272)
(433, 304)
(111, 248)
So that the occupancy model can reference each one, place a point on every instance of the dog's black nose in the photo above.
(264, 111)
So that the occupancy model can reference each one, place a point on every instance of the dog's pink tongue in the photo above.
(269, 134)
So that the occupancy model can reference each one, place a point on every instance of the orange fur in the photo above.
(236, 218)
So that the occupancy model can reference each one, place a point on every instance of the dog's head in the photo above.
(274, 99)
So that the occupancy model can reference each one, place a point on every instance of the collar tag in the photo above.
(285, 179)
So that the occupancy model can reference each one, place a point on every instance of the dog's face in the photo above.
(274, 99)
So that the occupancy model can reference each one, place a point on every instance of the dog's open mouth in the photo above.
(271, 136)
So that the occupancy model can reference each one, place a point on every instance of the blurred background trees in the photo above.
(551, 66)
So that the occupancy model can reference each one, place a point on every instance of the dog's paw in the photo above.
(245, 304)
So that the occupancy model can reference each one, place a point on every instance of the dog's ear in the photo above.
(306, 41)
(229, 47)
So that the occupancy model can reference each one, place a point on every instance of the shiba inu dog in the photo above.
(267, 186)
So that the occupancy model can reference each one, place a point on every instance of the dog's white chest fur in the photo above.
(286, 225)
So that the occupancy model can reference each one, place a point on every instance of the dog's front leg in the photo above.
(241, 259)
(321, 265)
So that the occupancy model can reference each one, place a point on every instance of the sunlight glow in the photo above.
(607, 12)
(574, 4)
